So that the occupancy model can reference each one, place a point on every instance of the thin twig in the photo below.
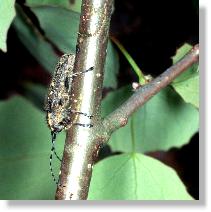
(120, 116)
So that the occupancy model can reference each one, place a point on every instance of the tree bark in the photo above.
(82, 145)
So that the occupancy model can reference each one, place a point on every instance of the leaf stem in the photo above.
(131, 61)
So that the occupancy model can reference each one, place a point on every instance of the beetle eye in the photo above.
(58, 128)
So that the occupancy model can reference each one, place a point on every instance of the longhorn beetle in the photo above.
(58, 102)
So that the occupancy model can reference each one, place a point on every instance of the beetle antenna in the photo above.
(53, 134)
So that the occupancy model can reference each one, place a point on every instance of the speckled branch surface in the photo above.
(82, 145)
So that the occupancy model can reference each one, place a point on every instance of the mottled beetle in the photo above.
(58, 101)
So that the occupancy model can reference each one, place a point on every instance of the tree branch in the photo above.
(120, 116)
(82, 146)
(82, 143)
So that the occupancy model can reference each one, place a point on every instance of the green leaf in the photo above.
(72, 5)
(34, 41)
(61, 28)
(75, 5)
(24, 152)
(181, 52)
(37, 3)
(111, 67)
(187, 84)
(135, 177)
(189, 90)
(7, 13)
(164, 122)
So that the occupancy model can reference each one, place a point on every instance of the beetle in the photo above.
(58, 101)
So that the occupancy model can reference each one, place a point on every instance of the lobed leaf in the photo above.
(164, 122)
(24, 152)
(135, 177)
(34, 41)
(187, 84)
